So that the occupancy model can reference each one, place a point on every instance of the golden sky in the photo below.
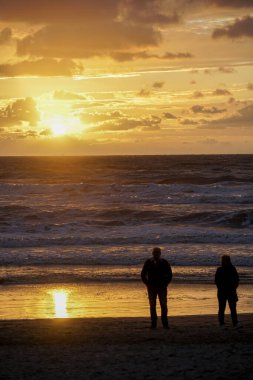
(81, 77)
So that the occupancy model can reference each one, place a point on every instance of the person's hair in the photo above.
(156, 250)
(225, 260)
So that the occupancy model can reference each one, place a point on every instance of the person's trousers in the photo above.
(161, 293)
(222, 306)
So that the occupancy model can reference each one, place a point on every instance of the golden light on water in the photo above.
(60, 303)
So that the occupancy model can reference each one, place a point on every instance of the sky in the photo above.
(113, 77)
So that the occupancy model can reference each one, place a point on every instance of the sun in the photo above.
(64, 125)
(58, 126)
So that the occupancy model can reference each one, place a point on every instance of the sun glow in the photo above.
(58, 126)
(61, 125)
(60, 303)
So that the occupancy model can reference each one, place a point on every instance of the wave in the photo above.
(65, 264)
(67, 241)
(65, 220)
(235, 219)
(107, 274)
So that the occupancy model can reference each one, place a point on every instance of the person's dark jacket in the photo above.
(227, 280)
(156, 274)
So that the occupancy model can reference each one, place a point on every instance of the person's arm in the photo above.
(217, 278)
(168, 273)
(236, 280)
(144, 273)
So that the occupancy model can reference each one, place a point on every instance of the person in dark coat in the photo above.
(227, 281)
(156, 275)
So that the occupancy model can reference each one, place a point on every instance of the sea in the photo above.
(97, 219)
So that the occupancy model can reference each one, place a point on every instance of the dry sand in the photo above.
(125, 348)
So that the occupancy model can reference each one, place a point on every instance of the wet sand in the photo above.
(125, 348)
(116, 300)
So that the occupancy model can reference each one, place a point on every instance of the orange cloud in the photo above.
(41, 67)
(83, 29)
(87, 40)
(221, 91)
(5, 35)
(129, 56)
(240, 28)
(19, 111)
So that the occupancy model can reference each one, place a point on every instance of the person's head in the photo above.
(225, 260)
(156, 253)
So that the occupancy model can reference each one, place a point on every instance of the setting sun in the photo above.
(61, 125)
(58, 126)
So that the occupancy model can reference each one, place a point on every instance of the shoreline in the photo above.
(118, 300)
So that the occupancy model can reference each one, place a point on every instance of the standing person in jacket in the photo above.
(156, 275)
(227, 281)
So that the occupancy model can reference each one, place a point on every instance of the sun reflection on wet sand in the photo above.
(60, 303)
(99, 300)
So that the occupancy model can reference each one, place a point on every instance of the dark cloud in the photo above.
(240, 28)
(125, 124)
(242, 118)
(169, 55)
(144, 93)
(231, 100)
(184, 4)
(201, 109)
(41, 67)
(84, 29)
(80, 41)
(123, 56)
(158, 84)
(57, 11)
(62, 11)
(221, 91)
(232, 3)
(65, 95)
(198, 94)
(22, 110)
(159, 12)
(226, 70)
(189, 122)
(148, 12)
(5, 35)
(169, 115)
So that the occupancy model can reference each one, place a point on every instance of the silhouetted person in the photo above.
(227, 281)
(156, 275)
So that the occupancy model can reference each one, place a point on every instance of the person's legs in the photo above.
(162, 294)
(152, 295)
(222, 306)
(232, 306)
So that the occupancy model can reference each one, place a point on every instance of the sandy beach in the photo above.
(125, 348)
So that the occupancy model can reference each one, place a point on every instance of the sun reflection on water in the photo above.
(60, 303)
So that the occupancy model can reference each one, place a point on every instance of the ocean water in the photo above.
(85, 219)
